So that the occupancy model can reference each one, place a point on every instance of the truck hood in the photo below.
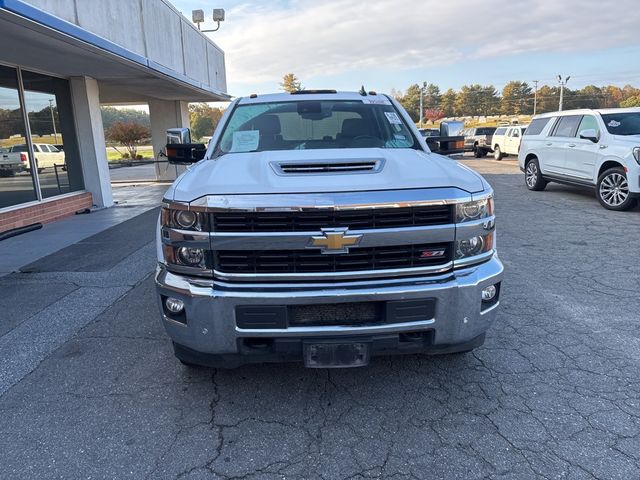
(252, 173)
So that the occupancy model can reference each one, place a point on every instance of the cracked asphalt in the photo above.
(554, 392)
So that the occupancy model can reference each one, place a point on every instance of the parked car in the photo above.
(46, 156)
(11, 162)
(506, 141)
(594, 148)
(317, 226)
(479, 140)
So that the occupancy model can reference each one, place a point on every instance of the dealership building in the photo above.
(59, 61)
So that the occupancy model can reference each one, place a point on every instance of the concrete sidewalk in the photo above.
(57, 279)
(131, 200)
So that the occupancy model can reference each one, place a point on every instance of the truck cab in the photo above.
(318, 227)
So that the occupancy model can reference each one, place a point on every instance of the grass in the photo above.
(115, 156)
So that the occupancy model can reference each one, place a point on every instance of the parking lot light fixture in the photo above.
(197, 17)
(562, 83)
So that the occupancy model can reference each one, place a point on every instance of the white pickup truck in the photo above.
(47, 156)
(506, 141)
(317, 226)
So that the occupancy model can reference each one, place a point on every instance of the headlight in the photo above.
(474, 246)
(469, 211)
(636, 154)
(183, 219)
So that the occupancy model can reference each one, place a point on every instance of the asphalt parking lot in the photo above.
(554, 392)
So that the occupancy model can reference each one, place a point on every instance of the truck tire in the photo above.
(612, 190)
(478, 152)
(532, 176)
(497, 154)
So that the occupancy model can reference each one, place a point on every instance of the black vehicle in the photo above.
(478, 140)
(447, 140)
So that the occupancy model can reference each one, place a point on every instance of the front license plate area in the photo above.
(336, 355)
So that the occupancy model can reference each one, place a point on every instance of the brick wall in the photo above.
(45, 212)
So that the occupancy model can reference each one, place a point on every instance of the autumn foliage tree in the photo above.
(433, 114)
(204, 119)
(290, 83)
(128, 134)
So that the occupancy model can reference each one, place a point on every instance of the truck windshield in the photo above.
(622, 123)
(311, 125)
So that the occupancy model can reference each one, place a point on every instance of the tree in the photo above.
(448, 102)
(433, 114)
(411, 101)
(290, 83)
(111, 115)
(204, 119)
(631, 102)
(432, 96)
(516, 98)
(548, 98)
(128, 134)
(476, 100)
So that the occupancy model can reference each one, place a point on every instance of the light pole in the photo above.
(424, 85)
(535, 97)
(562, 84)
(53, 121)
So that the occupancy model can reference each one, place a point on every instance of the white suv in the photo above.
(594, 148)
(506, 141)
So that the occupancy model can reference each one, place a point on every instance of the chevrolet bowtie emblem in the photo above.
(334, 240)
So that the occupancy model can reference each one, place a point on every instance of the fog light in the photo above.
(488, 293)
(469, 247)
(193, 257)
(174, 305)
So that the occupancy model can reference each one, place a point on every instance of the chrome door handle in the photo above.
(572, 145)
(549, 144)
(602, 147)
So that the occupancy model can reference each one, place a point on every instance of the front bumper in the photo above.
(208, 325)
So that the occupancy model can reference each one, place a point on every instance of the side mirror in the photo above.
(178, 135)
(185, 153)
(180, 150)
(589, 134)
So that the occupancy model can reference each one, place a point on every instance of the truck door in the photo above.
(557, 143)
(582, 154)
(513, 141)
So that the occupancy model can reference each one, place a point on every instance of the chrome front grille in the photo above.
(314, 220)
(312, 261)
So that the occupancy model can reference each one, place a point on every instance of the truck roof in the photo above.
(309, 95)
(584, 111)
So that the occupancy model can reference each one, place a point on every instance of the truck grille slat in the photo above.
(308, 261)
(310, 221)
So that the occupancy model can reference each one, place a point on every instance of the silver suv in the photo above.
(593, 148)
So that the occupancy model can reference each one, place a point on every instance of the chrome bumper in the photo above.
(210, 307)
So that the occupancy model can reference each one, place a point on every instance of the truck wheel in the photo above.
(497, 154)
(612, 190)
(533, 177)
(478, 152)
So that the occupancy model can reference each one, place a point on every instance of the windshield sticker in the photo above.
(376, 101)
(614, 123)
(393, 118)
(245, 141)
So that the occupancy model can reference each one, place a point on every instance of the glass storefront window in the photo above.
(55, 149)
(16, 183)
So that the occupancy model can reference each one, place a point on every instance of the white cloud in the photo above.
(265, 40)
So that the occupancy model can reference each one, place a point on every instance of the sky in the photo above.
(387, 44)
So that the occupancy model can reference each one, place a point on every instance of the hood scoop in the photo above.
(327, 167)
